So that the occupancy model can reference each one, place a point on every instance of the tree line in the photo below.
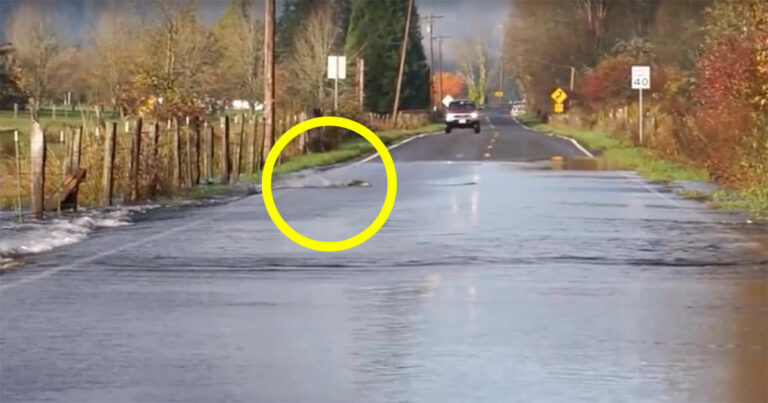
(159, 57)
(708, 104)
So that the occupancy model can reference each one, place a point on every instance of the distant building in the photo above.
(241, 104)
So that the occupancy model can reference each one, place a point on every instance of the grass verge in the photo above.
(621, 155)
(618, 154)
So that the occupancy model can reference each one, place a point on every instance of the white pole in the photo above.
(640, 118)
(336, 89)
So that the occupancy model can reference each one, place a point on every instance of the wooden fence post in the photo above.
(250, 164)
(239, 154)
(211, 144)
(225, 163)
(74, 161)
(66, 146)
(76, 149)
(133, 175)
(37, 169)
(109, 157)
(18, 175)
(188, 170)
(196, 177)
(152, 160)
(15, 110)
(176, 162)
(262, 157)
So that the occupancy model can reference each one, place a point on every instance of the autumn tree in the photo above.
(69, 74)
(179, 57)
(474, 65)
(238, 36)
(306, 65)
(453, 84)
(113, 55)
(9, 75)
(732, 96)
(36, 44)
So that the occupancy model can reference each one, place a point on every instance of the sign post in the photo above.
(641, 80)
(337, 70)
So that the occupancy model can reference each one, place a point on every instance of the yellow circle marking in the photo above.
(335, 246)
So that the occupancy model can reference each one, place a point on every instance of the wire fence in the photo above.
(139, 160)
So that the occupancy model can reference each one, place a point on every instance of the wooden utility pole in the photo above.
(439, 40)
(401, 68)
(269, 77)
(431, 28)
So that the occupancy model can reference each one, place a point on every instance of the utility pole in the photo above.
(431, 29)
(439, 40)
(400, 70)
(573, 77)
(501, 65)
(269, 76)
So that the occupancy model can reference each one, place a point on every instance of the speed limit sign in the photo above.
(641, 77)
(641, 80)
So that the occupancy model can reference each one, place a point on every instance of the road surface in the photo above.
(496, 278)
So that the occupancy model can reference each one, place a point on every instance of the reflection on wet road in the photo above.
(492, 281)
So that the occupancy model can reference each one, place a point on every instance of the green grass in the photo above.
(621, 155)
(753, 199)
(22, 123)
(696, 195)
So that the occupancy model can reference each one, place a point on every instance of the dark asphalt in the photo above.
(497, 278)
(501, 139)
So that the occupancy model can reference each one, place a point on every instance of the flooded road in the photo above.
(493, 280)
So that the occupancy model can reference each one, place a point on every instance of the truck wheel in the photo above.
(477, 128)
(448, 129)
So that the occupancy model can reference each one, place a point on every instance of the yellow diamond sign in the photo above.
(559, 96)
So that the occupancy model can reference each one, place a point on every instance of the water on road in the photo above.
(493, 280)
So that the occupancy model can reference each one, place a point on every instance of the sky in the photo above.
(461, 18)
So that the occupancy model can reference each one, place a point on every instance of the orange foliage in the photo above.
(453, 85)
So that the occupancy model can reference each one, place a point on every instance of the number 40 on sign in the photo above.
(641, 77)
(641, 80)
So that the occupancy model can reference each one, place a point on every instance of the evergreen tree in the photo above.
(295, 14)
(375, 34)
(289, 23)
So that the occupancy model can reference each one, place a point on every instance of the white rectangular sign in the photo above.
(337, 67)
(641, 77)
